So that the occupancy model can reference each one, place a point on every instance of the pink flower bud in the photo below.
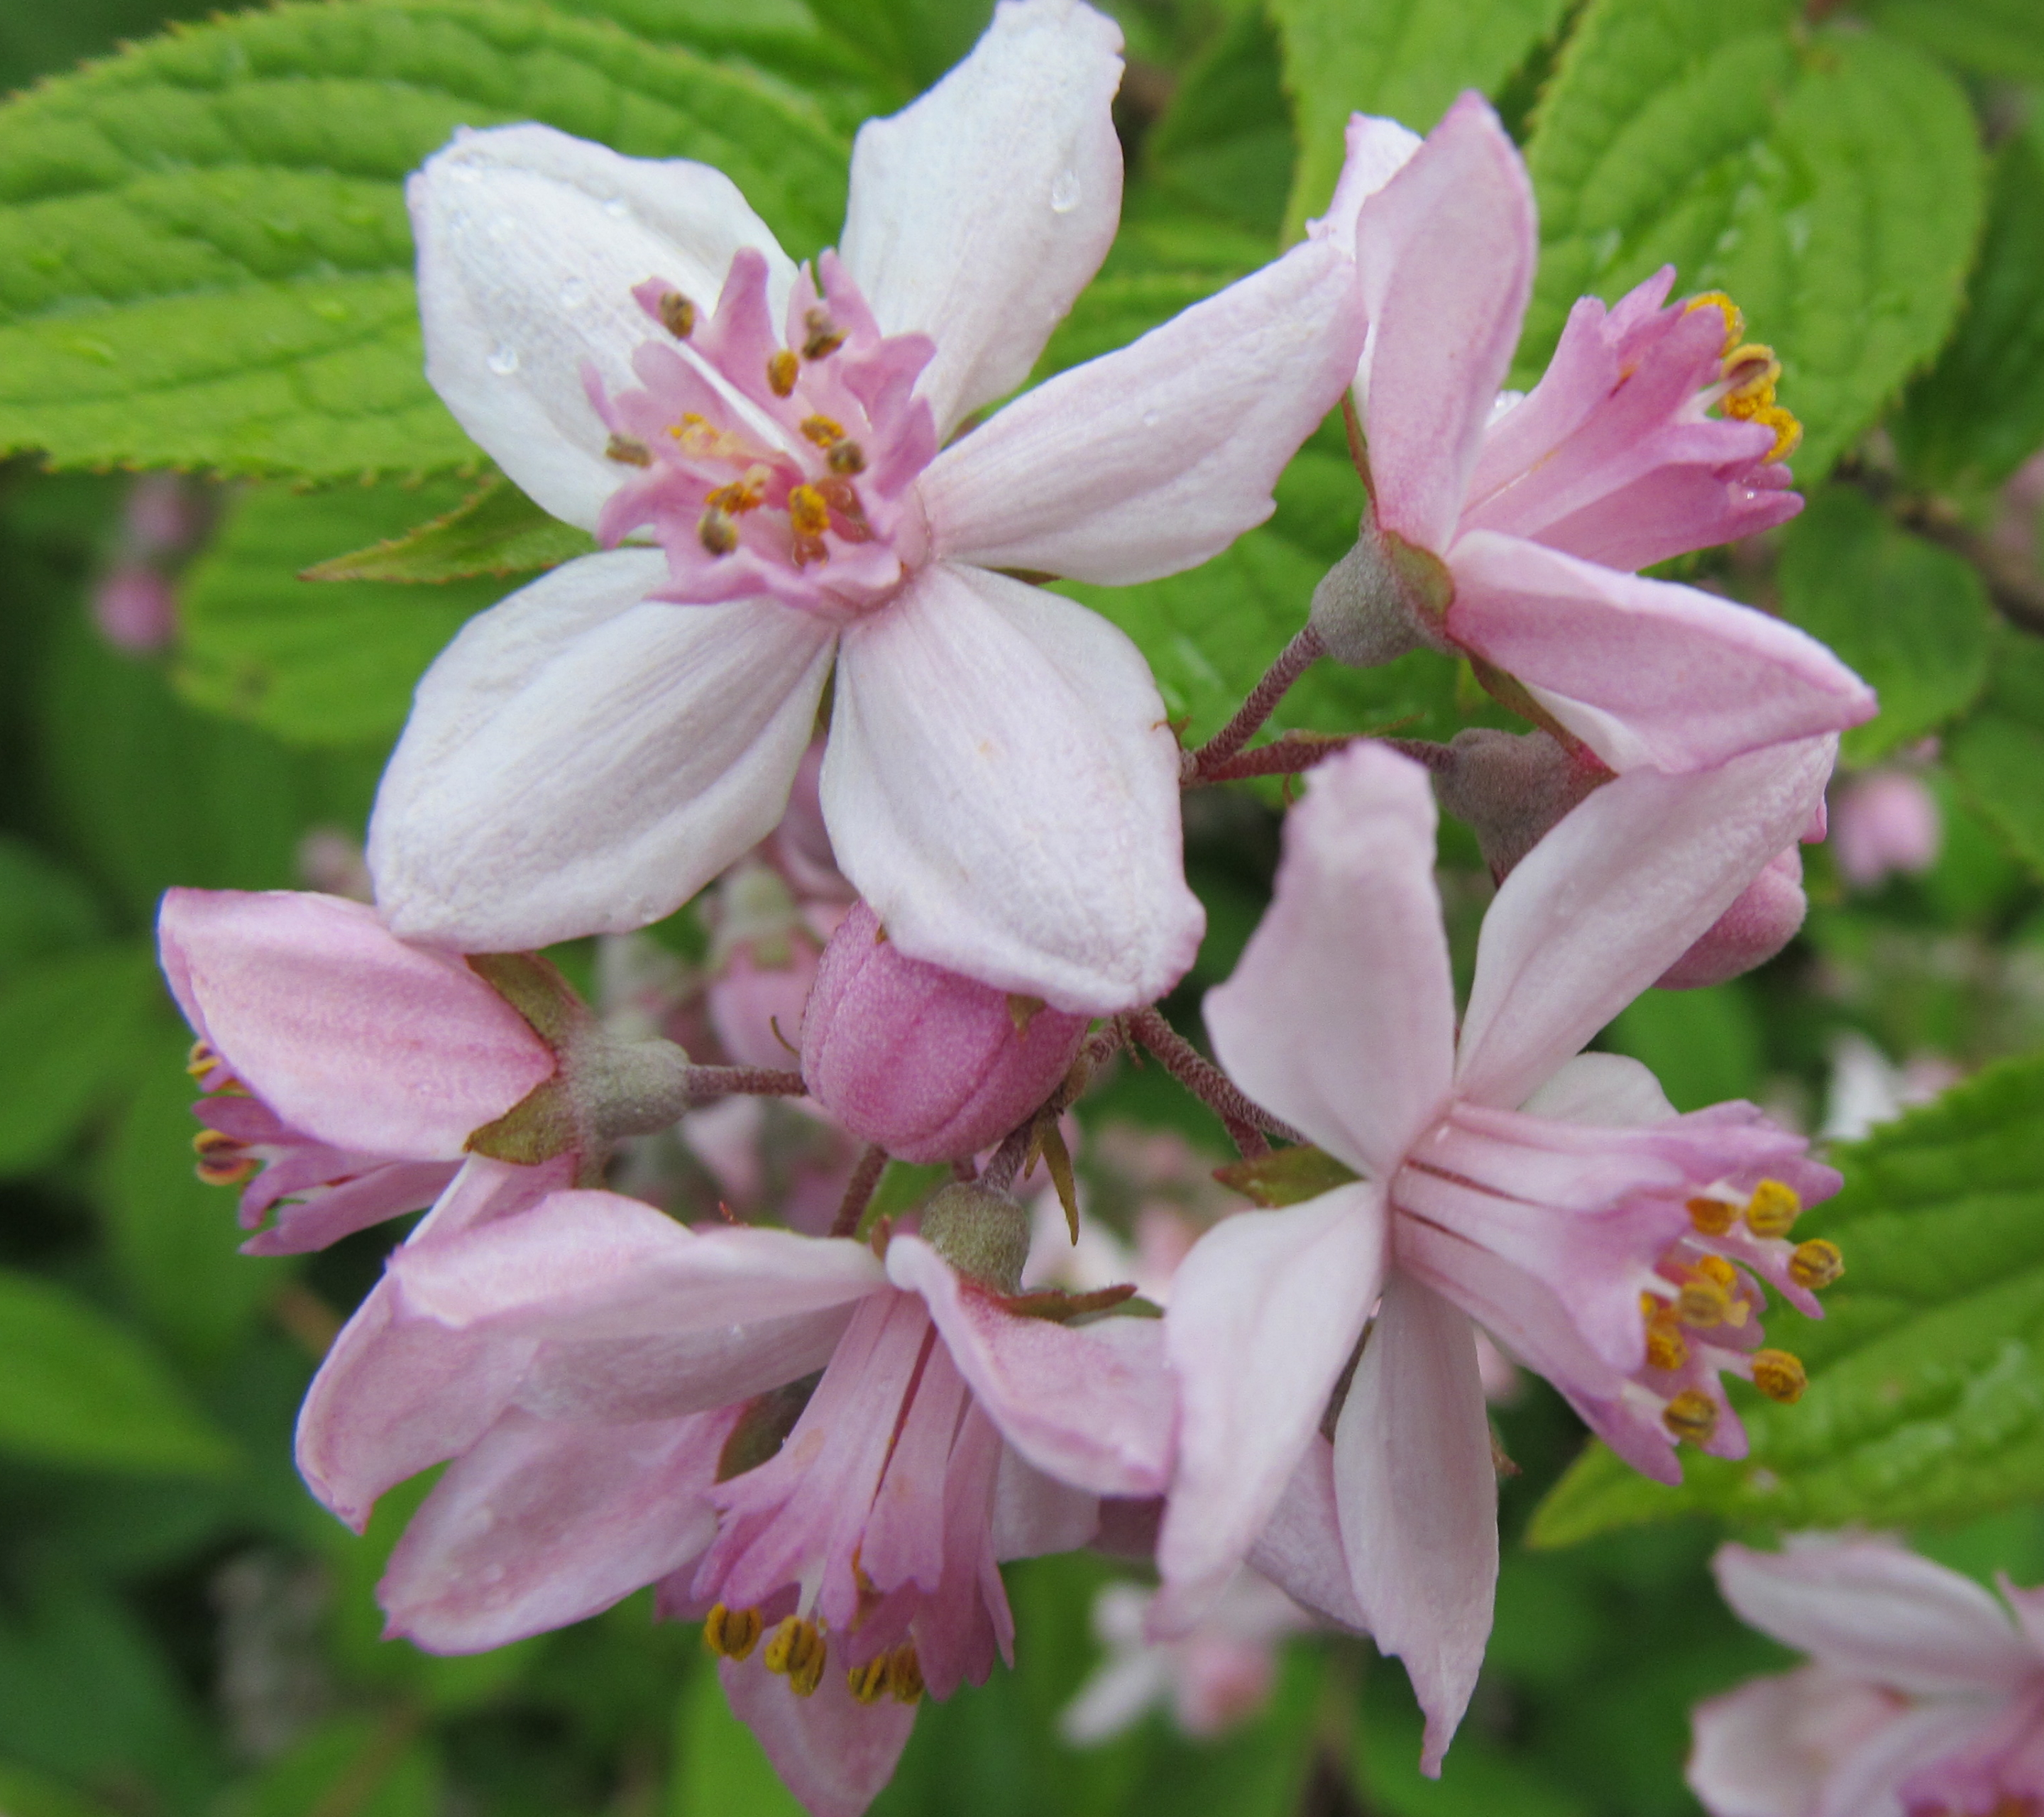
(929, 1065)
(1751, 931)
(1887, 821)
(134, 608)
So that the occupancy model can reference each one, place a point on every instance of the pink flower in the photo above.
(1504, 529)
(1504, 1183)
(1922, 1698)
(343, 1070)
(1885, 821)
(629, 1401)
(136, 609)
(1000, 782)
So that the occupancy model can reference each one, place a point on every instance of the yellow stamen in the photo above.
(822, 431)
(797, 1651)
(678, 315)
(702, 439)
(1702, 1304)
(1816, 1264)
(1713, 1217)
(742, 495)
(808, 511)
(1692, 1414)
(905, 1674)
(1788, 431)
(1734, 319)
(1773, 1210)
(731, 1634)
(825, 337)
(869, 1682)
(1751, 371)
(847, 458)
(222, 1161)
(716, 533)
(629, 450)
(1666, 1348)
(781, 371)
(1780, 1375)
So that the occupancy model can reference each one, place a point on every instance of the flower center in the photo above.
(774, 463)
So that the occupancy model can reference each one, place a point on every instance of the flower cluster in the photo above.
(931, 809)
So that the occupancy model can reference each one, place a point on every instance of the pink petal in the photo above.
(1340, 1015)
(1645, 672)
(981, 210)
(1869, 1782)
(834, 1753)
(1375, 151)
(350, 1036)
(1091, 1405)
(543, 1522)
(583, 760)
(1001, 786)
(1264, 1315)
(1607, 901)
(1446, 250)
(1873, 1609)
(1612, 1090)
(1766, 1748)
(1299, 1549)
(1150, 459)
(530, 244)
(1417, 1494)
(1035, 1515)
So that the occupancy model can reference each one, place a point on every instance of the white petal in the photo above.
(1613, 1090)
(529, 243)
(979, 212)
(1001, 785)
(1766, 1748)
(583, 760)
(1150, 459)
(1417, 1494)
(1378, 149)
(1340, 1017)
(1300, 1548)
(1610, 898)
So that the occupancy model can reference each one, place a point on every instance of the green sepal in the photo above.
(497, 531)
(1286, 1176)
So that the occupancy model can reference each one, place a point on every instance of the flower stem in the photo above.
(858, 1190)
(706, 1082)
(1293, 662)
(1245, 1120)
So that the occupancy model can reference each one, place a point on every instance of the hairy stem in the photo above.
(1293, 662)
(858, 1190)
(1245, 1120)
(706, 1082)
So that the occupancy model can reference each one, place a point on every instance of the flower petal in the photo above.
(1609, 1090)
(1446, 250)
(530, 242)
(1375, 151)
(1034, 1514)
(1001, 785)
(1615, 893)
(1299, 1549)
(1265, 1313)
(1417, 1493)
(1150, 459)
(1766, 1748)
(581, 760)
(981, 210)
(348, 1035)
(1090, 1405)
(1670, 676)
(1340, 1015)
(834, 1753)
(545, 1522)
(1873, 1607)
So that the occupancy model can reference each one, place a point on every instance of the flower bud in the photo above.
(929, 1065)
(135, 609)
(1511, 788)
(1382, 599)
(1886, 821)
(1751, 931)
(983, 1234)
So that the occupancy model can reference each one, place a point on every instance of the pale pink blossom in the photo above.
(1506, 529)
(136, 609)
(1867, 1089)
(344, 1071)
(630, 1401)
(1503, 1182)
(1923, 1697)
(1000, 782)
(1885, 822)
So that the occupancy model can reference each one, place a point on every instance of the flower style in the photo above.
(632, 345)
(344, 1071)
(630, 1401)
(1922, 1698)
(1505, 529)
(1557, 1202)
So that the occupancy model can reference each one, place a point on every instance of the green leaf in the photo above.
(908, 43)
(25, 1793)
(1833, 186)
(1911, 617)
(1407, 59)
(1286, 1176)
(1119, 308)
(495, 531)
(325, 663)
(1926, 1401)
(44, 908)
(1224, 145)
(1703, 1046)
(204, 255)
(2000, 38)
(719, 1767)
(1997, 750)
(382, 1765)
(76, 1389)
(1978, 414)
(68, 1033)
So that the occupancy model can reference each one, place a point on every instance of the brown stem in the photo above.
(859, 1191)
(1244, 1119)
(1293, 662)
(705, 1082)
(1295, 752)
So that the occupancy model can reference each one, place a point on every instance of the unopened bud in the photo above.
(928, 1065)
(1383, 598)
(136, 609)
(1763, 920)
(1511, 788)
(983, 1234)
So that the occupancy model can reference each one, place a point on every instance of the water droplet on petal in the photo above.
(617, 207)
(1151, 419)
(1064, 193)
(504, 362)
(575, 293)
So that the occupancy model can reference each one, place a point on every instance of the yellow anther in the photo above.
(1751, 371)
(222, 1161)
(1716, 1268)
(905, 1674)
(1788, 431)
(1666, 1347)
(701, 440)
(200, 1061)
(847, 458)
(869, 1682)
(731, 1634)
(677, 314)
(1733, 318)
(1702, 1304)
(741, 496)
(1692, 1414)
(822, 431)
(808, 511)
(1780, 1375)
(627, 450)
(825, 337)
(1713, 1217)
(716, 533)
(781, 371)
(1773, 1210)
(1816, 1264)
(797, 1651)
